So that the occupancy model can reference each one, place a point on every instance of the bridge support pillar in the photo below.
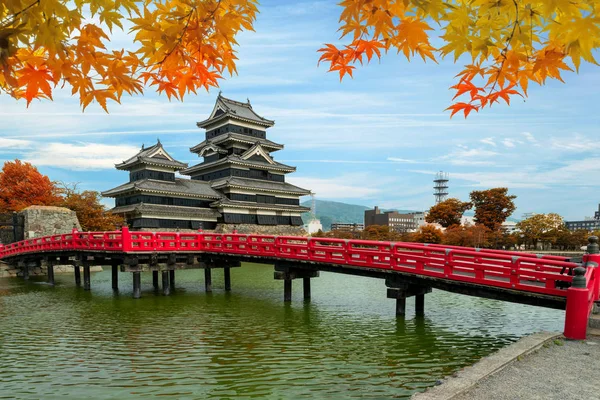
(137, 285)
(420, 304)
(165, 283)
(288, 272)
(306, 288)
(50, 272)
(77, 273)
(287, 290)
(208, 279)
(155, 280)
(172, 279)
(402, 290)
(227, 278)
(115, 277)
(86, 277)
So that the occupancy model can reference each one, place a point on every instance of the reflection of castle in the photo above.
(238, 182)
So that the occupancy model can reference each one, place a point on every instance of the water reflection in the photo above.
(345, 343)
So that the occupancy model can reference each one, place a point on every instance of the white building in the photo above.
(313, 226)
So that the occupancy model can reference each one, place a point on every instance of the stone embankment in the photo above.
(7, 271)
(540, 366)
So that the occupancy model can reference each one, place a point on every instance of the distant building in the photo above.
(408, 222)
(509, 227)
(589, 224)
(313, 226)
(341, 226)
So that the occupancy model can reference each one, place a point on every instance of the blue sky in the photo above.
(376, 139)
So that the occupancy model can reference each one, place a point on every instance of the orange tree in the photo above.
(92, 214)
(492, 206)
(22, 185)
(183, 45)
(448, 212)
(428, 234)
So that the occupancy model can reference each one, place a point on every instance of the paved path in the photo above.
(560, 370)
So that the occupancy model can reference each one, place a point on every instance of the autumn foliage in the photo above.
(180, 46)
(22, 185)
(492, 206)
(508, 43)
(448, 212)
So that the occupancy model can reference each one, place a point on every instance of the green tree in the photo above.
(492, 206)
(448, 212)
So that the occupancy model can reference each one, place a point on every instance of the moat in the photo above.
(346, 343)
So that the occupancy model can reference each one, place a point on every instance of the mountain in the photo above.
(333, 211)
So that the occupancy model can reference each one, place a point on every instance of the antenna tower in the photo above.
(440, 187)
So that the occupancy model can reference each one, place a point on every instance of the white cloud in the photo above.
(510, 143)
(14, 143)
(81, 156)
(489, 140)
(530, 138)
(351, 186)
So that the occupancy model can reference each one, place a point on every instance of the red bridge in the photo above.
(409, 269)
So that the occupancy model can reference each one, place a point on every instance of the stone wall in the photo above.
(45, 220)
(277, 230)
(7, 270)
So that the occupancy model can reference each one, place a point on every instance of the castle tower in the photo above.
(238, 163)
(155, 199)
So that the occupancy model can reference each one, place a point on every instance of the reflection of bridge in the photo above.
(409, 269)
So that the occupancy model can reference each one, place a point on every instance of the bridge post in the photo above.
(577, 311)
(137, 285)
(165, 283)
(25, 271)
(287, 272)
(86, 276)
(306, 288)
(77, 273)
(50, 271)
(172, 279)
(227, 278)
(420, 304)
(287, 289)
(400, 291)
(207, 280)
(155, 280)
(115, 276)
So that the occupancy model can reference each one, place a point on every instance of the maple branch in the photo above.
(12, 18)
(505, 50)
(185, 28)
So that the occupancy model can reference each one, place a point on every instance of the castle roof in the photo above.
(159, 209)
(237, 160)
(259, 185)
(227, 108)
(180, 187)
(248, 205)
(236, 137)
(153, 156)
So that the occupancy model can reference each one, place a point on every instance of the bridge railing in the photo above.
(513, 270)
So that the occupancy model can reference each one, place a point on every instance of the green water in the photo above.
(62, 342)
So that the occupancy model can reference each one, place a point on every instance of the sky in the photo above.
(376, 139)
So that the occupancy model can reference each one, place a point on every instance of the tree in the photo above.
(181, 46)
(22, 185)
(380, 232)
(492, 206)
(468, 236)
(92, 215)
(541, 228)
(448, 212)
(428, 234)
